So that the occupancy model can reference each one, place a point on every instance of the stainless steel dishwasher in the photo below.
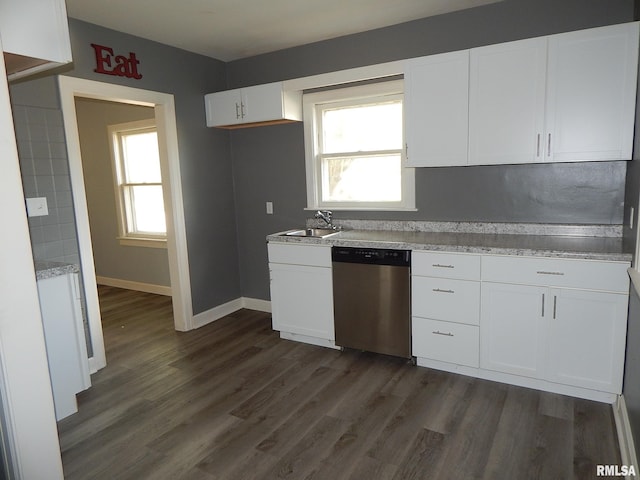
(372, 299)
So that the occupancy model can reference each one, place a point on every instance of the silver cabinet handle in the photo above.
(406, 150)
(543, 304)
(242, 109)
(439, 290)
(549, 146)
(542, 272)
(538, 146)
(237, 110)
(447, 334)
(555, 302)
(437, 265)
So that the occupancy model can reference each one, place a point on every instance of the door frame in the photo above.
(164, 107)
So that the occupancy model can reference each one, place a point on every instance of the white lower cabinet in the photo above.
(552, 324)
(302, 295)
(568, 336)
(445, 307)
(65, 340)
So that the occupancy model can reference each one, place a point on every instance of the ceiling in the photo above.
(232, 29)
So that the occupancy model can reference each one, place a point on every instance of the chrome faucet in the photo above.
(325, 215)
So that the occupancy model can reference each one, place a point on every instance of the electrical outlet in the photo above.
(269, 208)
(37, 207)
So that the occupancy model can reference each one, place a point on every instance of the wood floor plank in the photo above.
(361, 432)
(425, 451)
(286, 435)
(508, 449)
(307, 453)
(231, 400)
(552, 455)
(466, 449)
(401, 431)
(593, 443)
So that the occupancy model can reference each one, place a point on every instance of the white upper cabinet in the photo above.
(563, 98)
(437, 109)
(260, 104)
(506, 109)
(35, 35)
(591, 94)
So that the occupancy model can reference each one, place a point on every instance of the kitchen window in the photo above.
(136, 161)
(354, 141)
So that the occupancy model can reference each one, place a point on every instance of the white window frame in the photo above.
(312, 105)
(135, 239)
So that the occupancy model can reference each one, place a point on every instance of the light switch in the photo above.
(269, 208)
(37, 207)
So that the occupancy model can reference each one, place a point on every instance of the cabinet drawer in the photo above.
(446, 299)
(445, 341)
(446, 265)
(295, 254)
(557, 272)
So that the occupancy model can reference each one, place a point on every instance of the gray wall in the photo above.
(269, 162)
(112, 260)
(205, 165)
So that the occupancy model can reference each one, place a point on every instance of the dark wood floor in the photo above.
(232, 400)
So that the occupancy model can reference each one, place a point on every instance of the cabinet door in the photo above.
(512, 329)
(262, 103)
(65, 340)
(436, 109)
(591, 94)
(302, 300)
(506, 102)
(586, 339)
(223, 108)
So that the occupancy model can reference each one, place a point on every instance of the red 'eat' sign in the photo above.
(110, 64)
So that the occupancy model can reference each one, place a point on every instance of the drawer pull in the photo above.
(438, 332)
(438, 265)
(439, 290)
(543, 272)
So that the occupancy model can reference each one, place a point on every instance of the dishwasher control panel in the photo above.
(375, 256)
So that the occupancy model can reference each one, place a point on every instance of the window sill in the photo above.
(143, 242)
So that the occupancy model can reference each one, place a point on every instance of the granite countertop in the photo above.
(609, 247)
(54, 269)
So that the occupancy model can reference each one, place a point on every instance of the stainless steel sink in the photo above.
(312, 232)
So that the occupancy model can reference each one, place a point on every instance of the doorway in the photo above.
(164, 110)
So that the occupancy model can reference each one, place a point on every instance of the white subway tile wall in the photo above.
(45, 173)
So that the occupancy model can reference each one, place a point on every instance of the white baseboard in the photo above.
(130, 285)
(535, 383)
(256, 304)
(228, 308)
(625, 437)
